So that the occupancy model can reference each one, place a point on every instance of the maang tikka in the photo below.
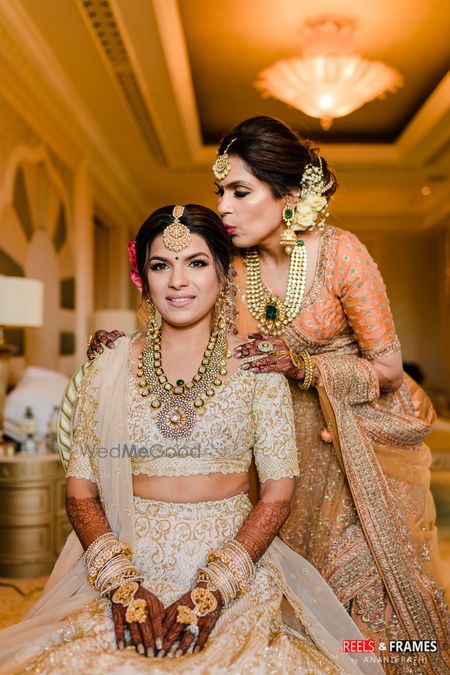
(177, 236)
(222, 166)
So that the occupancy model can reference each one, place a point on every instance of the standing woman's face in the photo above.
(248, 208)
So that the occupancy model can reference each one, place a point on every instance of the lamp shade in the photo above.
(110, 319)
(21, 302)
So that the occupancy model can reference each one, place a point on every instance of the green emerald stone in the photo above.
(288, 213)
(300, 242)
(180, 383)
(271, 312)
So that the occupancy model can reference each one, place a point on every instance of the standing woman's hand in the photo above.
(100, 338)
(266, 354)
(147, 628)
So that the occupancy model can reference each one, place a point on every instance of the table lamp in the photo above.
(21, 306)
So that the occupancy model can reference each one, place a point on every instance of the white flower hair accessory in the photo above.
(312, 207)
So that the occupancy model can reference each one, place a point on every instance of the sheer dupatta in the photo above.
(67, 589)
(348, 394)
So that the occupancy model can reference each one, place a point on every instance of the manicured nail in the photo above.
(158, 643)
(141, 649)
(161, 653)
(245, 366)
(121, 644)
(196, 650)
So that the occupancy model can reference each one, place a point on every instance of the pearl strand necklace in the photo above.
(270, 311)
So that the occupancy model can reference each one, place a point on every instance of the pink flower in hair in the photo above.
(134, 274)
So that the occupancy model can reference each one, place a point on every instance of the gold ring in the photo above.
(256, 357)
(186, 615)
(265, 347)
(91, 337)
(136, 611)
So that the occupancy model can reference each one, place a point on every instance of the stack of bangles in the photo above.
(229, 572)
(305, 364)
(108, 563)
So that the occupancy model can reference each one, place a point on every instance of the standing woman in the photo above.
(362, 512)
(314, 306)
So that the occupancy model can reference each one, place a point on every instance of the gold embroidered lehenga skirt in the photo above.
(172, 542)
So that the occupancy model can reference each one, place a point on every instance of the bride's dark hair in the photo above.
(199, 220)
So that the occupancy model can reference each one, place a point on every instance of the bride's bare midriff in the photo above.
(190, 489)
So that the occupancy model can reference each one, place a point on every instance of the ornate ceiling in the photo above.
(141, 90)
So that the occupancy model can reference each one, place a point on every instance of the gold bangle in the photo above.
(295, 361)
(309, 377)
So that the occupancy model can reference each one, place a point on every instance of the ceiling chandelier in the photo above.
(330, 80)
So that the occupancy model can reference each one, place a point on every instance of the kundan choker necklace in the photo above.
(177, 403)
(271, 312)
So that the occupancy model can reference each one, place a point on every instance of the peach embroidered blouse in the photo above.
(347, 299)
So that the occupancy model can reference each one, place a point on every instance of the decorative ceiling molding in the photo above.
(100, 16)
(421, 133)
(154, 38)
(38, 88)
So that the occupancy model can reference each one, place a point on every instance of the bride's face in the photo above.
(183, 285)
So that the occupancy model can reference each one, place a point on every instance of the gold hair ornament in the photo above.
(177, 236)
(222, 165)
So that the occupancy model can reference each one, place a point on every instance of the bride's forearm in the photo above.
(262, 525)
(265, 519)
(87, 518)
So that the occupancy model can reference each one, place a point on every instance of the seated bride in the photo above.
(170, 568)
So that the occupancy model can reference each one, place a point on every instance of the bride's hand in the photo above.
(267, 354)
(176, 631)
(100, 338)
(147, 636)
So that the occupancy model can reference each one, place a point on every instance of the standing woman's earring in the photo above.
(288, 237)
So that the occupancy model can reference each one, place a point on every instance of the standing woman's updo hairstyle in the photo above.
(199, 220)
(275, 154)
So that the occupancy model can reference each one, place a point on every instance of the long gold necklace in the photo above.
(177, 403)
(271, 312)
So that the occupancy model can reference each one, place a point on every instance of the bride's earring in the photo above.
(152, 324)
(288, 237)
(219, 312)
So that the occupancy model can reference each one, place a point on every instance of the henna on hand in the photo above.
(176, 631)
(100, 338)
(277, 362)
(261, 526)
(87, 518)
(147, 637)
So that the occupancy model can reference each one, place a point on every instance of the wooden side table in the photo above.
(33, 521)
